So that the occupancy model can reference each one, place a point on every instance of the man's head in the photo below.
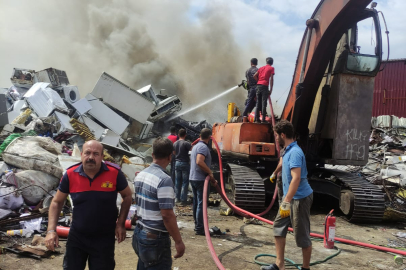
(162, 149)
(269, 61)
(205, 134)
(173, 130)
(284, 132)
(92, 156)
(254, 62)
(182, 133)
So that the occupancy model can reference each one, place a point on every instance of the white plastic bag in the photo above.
(34, 194)
(12, 201)
(34, 153)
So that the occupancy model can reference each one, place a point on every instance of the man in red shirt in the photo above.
(173, 137)
(264, 76)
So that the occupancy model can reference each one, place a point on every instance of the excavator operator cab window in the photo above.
(360, 48)
(363, 47)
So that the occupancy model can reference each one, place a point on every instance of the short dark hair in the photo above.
(284, 127)
(269, 60)
(205, 133)
(172, 129)
(182, 133)
(162, 148)
(254, 61)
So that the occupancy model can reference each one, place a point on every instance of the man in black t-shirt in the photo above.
(252, 84)
(182, 167)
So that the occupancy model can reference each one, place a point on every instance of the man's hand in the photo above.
(284, 210)
(213, 180)
(120, 233)
(272, 178)
(51, 241)
(180, 249)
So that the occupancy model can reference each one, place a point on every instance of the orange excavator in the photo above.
(330, 107)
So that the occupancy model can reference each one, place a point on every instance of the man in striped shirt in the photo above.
(155, 197)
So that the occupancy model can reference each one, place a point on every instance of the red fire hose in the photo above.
(244, 213)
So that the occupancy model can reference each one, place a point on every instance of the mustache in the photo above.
(90, 161)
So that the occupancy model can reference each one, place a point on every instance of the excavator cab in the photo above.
(340, 120)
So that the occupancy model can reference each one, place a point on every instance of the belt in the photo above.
(155, 233)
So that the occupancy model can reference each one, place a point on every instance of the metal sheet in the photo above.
(123, 98)
(82, 106)
(351, 142)
(111, 138)
(64, 122)
(16, 110)
(3, 111)
(393, 80)
(95, 128)
(106, 116)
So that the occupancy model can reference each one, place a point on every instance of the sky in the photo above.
(192, 48)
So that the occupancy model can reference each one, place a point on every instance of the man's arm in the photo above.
(125, 207)
(169, 219)
(271, 84)
(279, 167)
(294, 184)
(256, 76)
(52, 239)
(200, 162)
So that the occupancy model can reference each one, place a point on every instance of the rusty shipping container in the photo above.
(390, 89)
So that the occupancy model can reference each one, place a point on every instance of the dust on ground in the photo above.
(237, 248)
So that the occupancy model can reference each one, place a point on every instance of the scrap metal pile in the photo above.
(45, 124)
(386, 165)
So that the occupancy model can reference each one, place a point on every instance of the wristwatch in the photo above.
(51, 231)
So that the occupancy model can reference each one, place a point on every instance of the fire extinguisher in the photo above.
(329, 230)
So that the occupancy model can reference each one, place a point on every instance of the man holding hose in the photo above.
(297, 199)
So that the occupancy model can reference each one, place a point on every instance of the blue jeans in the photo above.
(153, 254)
(182, 170)
(197, 188)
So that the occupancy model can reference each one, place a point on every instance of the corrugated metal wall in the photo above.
(393, 80)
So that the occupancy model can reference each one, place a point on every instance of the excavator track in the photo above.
(361, 201)
(247, 188)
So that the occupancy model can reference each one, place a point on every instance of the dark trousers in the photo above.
(154, 253)
(98, 250)
(262, 98)
(251, 102)
(197, 188)
(173, 174)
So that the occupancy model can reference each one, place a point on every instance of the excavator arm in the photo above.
(324, 30)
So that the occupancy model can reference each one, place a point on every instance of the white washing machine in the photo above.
(71, 93)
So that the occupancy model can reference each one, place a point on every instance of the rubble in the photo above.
(45, 124)
(386, 165)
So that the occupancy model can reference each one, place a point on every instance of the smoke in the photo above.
(192, 54)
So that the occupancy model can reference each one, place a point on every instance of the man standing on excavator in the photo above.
(264, 77)
(297, 199)
(252, 85)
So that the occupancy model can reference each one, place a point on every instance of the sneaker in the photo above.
(200, 233)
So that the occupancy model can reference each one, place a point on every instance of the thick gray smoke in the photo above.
(193, 55)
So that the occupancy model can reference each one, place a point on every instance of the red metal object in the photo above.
(128, 225)
(245, 138)
(329, 230)
(390, 89)
(62, 231)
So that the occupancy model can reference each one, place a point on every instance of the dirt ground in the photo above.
(237, 248)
